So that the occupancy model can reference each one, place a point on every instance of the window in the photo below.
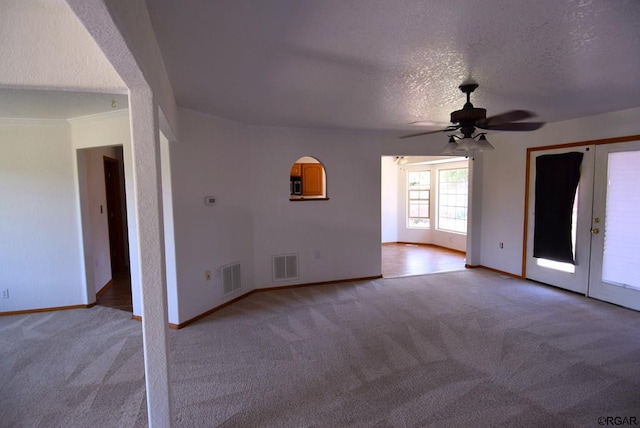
(419, 188)
(452, 199)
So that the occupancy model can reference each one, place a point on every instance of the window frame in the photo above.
(454, 206)
(420, 188)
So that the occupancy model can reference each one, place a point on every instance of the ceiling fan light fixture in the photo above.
(451, 146)
(484, 144)
(468, 144)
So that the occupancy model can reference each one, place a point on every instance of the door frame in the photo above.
(531, 150)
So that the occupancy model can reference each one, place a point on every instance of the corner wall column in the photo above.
(474, 222)
(153, 284)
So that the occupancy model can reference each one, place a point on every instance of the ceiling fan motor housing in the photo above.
(468, 115)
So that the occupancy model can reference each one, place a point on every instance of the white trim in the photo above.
(49, 121)
(99, 116)
(26, 121)
(438, 161)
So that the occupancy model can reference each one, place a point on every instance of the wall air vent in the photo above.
(285, 267)
(231, 279)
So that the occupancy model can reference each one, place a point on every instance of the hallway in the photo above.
(118, 295)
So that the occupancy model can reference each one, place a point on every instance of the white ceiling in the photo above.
(41, 104)
(380, 64)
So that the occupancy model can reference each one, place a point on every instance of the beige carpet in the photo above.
(467, 348)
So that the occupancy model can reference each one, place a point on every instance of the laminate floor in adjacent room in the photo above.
(400, 260)
(118, 295)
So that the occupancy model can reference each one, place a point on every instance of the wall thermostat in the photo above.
(209, 200)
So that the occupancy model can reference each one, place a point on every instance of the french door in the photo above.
(605, 225)
(574, 277)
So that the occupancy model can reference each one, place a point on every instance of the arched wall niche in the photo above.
(307, 180)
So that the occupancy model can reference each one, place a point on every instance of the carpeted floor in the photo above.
(468, 348)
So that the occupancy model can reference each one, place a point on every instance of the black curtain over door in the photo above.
(557, 178)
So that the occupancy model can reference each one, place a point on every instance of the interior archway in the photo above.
(307, 180)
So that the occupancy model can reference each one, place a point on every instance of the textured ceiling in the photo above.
(44, 45)
(379, 64)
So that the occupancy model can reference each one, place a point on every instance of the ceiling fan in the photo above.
(469, 118)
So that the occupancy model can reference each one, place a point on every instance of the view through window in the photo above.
(452, 199)
(419, 185)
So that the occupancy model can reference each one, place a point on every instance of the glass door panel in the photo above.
(621, 253)
(615, 258)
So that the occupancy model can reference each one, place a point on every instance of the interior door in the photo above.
(615, 245)
(114, 215)
(573, 275)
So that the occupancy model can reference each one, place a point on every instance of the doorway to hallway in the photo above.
(118, 294)
(104, 223)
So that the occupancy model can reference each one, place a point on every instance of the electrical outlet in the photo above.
(5, 293)
(207, 275)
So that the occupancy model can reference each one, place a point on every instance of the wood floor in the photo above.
(400, 260)
(118, 295)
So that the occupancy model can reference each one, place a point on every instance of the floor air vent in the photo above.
(231, 280)
(285, 266)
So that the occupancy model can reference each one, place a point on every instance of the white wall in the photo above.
(504, 179)
(36, 156)
(212, 158)
(335, 239)
(169, 232)
(40, 226)
(247, 170)
(428, 145)
(101, 130)
(389, 190)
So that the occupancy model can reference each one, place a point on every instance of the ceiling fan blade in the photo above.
(447, 129)
(506, 117)
(516, 126)
(428, 123)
